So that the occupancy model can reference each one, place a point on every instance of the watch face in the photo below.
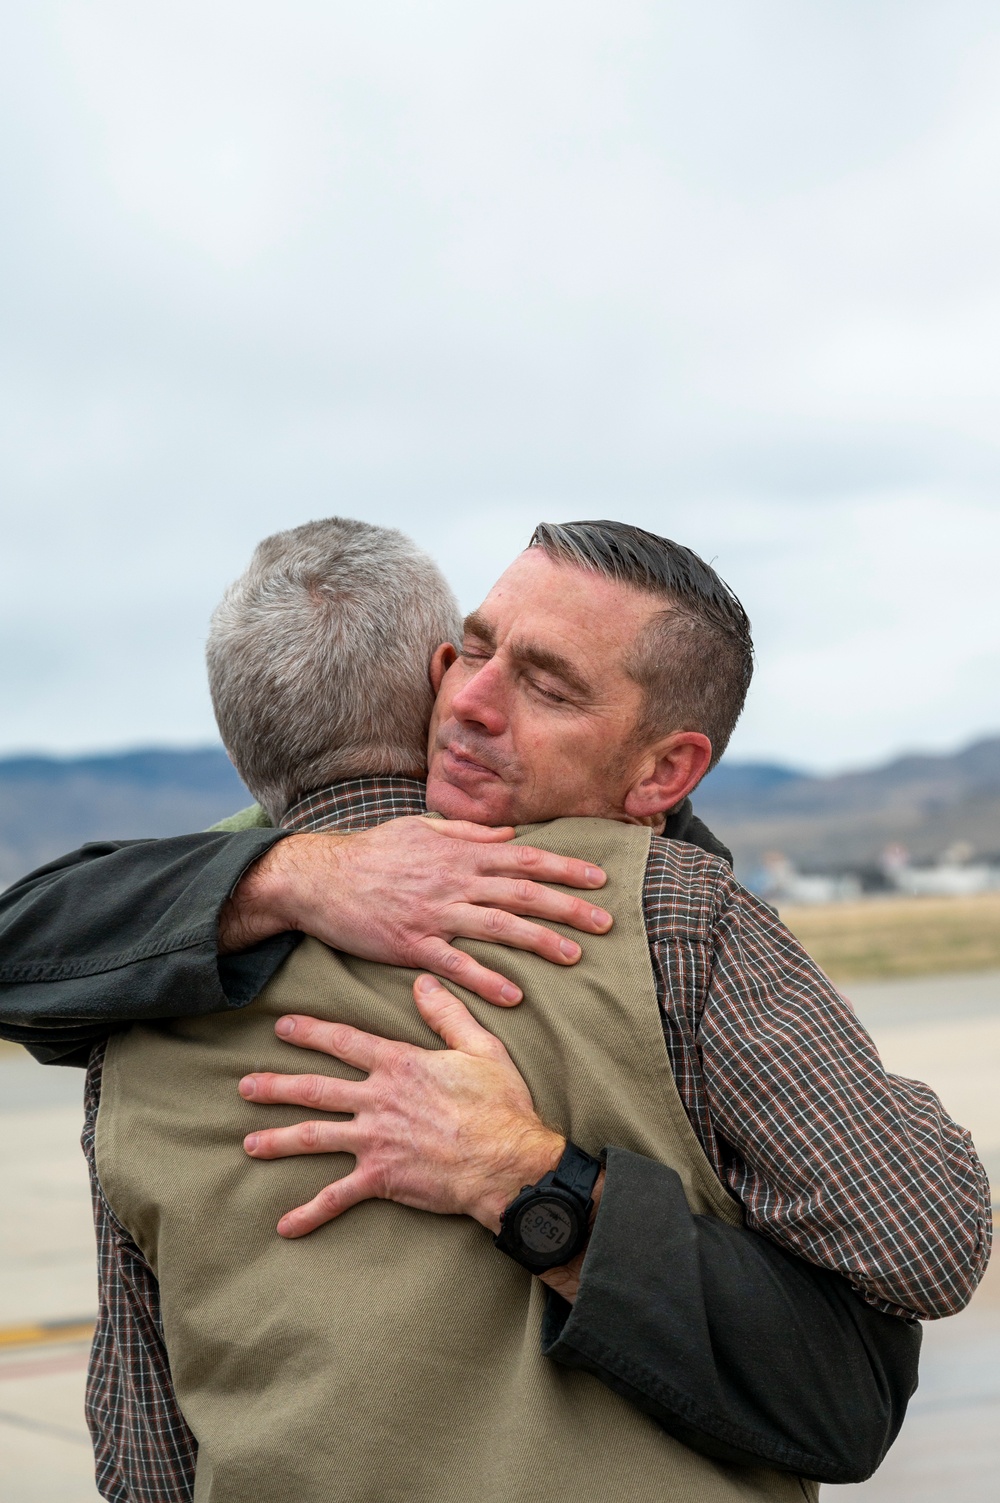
(545, 1227)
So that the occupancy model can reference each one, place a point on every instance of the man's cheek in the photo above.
(451, 684)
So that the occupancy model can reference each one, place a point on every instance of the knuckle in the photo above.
(424, 955)
(310, 1134)
(525, 891)
(375, 1180)
(453, 961)
(383, 1100)
(528, 856)
(329, 1197)
(401, 943)
(496, 920)
(347, 1040)
(312, 1090)
(394, 1067)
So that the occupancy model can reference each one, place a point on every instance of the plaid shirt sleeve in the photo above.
(143, 1449)
(847, 1166)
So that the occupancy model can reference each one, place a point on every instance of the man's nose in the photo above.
(482, 701)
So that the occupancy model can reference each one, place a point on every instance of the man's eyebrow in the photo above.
(554, 663)
(477, 626)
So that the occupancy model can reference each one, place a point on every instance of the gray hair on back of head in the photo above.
(318, 657)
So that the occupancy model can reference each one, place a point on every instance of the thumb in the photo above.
(452, 1021)
(466, 829)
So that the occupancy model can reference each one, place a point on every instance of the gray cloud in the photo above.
(729, 271)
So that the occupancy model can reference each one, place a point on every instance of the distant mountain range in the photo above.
(826, 824)
(50, 805)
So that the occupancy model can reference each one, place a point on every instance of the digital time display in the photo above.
(546, 1226)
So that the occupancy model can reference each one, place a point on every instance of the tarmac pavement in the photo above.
(945, 1030)
(46, 1275)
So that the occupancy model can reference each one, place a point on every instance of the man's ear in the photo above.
(667, 774)
(440, 663)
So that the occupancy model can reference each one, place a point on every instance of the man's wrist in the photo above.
(538, 1152)
(269, 897)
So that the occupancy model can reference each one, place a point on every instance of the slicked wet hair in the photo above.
(318, 658)
(694, 659)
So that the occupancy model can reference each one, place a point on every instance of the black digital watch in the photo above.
(547, 1223)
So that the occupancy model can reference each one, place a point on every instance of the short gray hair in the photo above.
(318, 658)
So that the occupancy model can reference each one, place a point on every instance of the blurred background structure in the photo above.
(727, 270)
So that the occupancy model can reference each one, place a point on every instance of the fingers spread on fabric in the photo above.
(302, 1138)
(453, 1022)
(450, 1130)
(324, 1093)
(362, 1050)
(389, 892)
(439, 956)
(331, 1202)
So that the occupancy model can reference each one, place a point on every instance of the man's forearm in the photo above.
(124, 930)
(738, 1349)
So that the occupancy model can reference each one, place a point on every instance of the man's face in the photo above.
(536, 717)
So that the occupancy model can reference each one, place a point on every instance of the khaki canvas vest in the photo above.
(394, 1356)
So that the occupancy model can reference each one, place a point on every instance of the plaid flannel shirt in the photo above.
(849, 1167)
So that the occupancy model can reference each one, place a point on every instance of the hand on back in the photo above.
(402, 891)
(450, 1130)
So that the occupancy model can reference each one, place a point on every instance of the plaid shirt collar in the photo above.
(356, 804)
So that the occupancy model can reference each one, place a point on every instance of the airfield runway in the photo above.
(945, 1030)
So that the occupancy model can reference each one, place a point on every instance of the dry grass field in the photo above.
(881, 938)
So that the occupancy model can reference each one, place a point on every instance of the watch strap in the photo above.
(576, 1172)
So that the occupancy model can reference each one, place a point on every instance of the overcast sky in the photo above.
(727, 270)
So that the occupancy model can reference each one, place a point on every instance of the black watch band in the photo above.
(547, 1224)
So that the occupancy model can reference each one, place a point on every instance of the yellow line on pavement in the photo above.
(47, 1331)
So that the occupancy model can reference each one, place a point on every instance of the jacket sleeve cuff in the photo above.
(639, 1323)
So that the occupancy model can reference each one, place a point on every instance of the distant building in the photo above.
(956, 874)
(778, 880)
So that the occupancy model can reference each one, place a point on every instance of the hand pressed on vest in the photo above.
(402, 891)
(447, 1130)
